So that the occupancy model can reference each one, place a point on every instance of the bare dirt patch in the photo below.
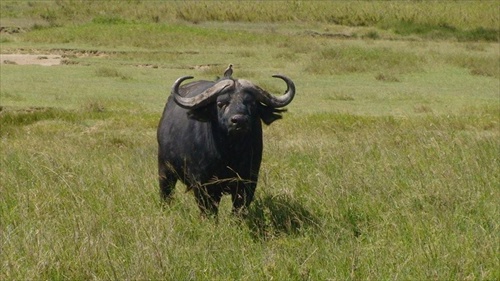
(27, 59)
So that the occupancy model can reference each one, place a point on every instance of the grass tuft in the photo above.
(422, 108)
(27, 116)
(446, 31)
(386, 78)
(107, 20)
(477, 65)
(371, 35)
(343, 59)
(341, 97)
(480, 34)
(94, 106)
(111, 73)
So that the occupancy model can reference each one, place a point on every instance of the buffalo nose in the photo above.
(238, 119)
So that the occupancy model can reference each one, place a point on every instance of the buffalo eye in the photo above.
(249, 100)
(222, 104)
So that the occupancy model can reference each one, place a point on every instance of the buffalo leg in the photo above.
(242, 197)
(167, 180)
(208, 200)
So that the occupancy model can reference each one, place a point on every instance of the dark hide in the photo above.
(215, 149)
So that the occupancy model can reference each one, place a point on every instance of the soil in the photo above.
(24, 59)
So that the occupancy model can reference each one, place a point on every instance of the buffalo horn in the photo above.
(271, 100)
(203, 98)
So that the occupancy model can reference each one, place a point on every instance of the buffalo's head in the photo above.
(237, 104)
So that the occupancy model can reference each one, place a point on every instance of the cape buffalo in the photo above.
(210, 138)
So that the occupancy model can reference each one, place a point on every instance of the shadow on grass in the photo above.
(273, 216)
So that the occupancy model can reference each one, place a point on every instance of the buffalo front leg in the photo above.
(242, 197)
(167, 180)
(208, 199)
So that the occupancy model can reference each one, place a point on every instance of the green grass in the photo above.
(463, 20)
(347, 59)
(373, 197)
(385, 167)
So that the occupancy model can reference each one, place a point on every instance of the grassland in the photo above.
(385, 167)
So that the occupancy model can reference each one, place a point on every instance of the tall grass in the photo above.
(168, 43)
(385, 167)
(340, 196)
(342, 59)
(465, 20)
(151, 36)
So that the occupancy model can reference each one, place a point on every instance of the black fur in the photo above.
(210, 152)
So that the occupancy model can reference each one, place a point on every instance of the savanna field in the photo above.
(385, 167)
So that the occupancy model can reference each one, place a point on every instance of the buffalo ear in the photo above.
(269, 114)
(203, 114)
